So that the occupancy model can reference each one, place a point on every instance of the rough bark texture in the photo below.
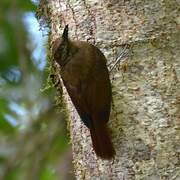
(146, 114)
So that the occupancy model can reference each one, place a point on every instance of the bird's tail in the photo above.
(101, 140)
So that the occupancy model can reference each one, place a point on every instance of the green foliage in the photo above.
(48, 174)
(29, 148)
(22, 5)
(12, 31)
(5, 126)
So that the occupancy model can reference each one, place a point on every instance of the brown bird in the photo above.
(86, 78)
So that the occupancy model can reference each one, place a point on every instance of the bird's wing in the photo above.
(79, 100)
(99, 95)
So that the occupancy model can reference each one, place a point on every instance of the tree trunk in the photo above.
(146, 90)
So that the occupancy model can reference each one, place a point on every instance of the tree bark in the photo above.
(146, 90)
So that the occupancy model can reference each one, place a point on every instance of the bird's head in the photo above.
(60, 48)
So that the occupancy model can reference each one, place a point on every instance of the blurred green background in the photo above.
(33, 137)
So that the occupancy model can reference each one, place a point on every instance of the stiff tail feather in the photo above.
(101, 141)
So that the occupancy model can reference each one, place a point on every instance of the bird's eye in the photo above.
(60, 49)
